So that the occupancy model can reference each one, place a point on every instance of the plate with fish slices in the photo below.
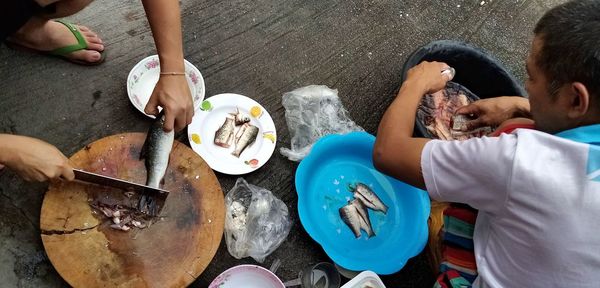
(233, 133)
(363, 219)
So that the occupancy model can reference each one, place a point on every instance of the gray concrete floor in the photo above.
(259, 48)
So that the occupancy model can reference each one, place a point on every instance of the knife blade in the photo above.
(151, 202)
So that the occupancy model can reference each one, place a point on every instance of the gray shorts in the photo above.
(15, 13)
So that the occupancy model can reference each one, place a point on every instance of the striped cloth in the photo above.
(458, 267)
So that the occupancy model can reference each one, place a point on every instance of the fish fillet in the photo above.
(436, 113)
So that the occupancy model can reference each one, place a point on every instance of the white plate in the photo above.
(211, 116)
(246, 276)
(365, 279)
(144, 75)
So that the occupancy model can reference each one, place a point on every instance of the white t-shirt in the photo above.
(538, 197)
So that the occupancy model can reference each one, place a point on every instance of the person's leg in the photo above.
(42, 34)
(62, 8)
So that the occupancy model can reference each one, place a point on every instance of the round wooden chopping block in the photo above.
(172, 252)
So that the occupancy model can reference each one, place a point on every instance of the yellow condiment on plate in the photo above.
(255, 111)
(196, 138)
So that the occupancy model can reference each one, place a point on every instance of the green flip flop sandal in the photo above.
(81, 45)
(64, 51)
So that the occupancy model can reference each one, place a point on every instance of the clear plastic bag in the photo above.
(256, 222)
(312, 112)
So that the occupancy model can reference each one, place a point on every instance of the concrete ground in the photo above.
(259, 48)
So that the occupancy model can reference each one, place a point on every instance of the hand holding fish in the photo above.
(33, 159)
(429, 76)
(494, 111)
(173, 94)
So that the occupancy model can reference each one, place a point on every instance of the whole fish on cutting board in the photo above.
(368, 197)
(156, 151)
(224, 135)
(244, 138)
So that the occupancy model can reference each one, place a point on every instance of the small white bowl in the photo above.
(365, 279)
(246, 276)
(144, 75)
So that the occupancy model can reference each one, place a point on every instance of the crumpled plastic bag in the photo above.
(312, 112)
(256, 222)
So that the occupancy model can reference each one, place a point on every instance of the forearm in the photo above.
(164, 17)
(6, 148)
(394, 137)
(399, 119)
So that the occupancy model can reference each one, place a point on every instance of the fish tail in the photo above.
(371, 233)
(143, 203)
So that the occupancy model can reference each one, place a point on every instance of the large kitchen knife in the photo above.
(151, 201)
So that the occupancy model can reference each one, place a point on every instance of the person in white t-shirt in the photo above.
(537, 191)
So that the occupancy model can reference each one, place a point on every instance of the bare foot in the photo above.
(43, 35)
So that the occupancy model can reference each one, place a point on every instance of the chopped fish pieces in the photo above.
(123, 218)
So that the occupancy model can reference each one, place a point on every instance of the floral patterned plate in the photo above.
(246, 276)
(144, 75)
(209, 119)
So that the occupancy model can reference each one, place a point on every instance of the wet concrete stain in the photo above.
(130, 16)
(30, 267)
(97, 95)
(8, 126)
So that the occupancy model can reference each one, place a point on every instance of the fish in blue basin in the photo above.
(368, 197)
(355, 215)
(350, 216)
(365, 222)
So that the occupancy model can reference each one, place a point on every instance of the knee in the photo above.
(63, 8)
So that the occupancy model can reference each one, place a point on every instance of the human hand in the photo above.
(494, 111)
(173, 94)
(429, 76)
(33, 159)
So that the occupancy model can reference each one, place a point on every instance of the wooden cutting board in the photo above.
(172, 252)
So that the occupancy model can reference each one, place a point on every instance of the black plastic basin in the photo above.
(475, 69)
